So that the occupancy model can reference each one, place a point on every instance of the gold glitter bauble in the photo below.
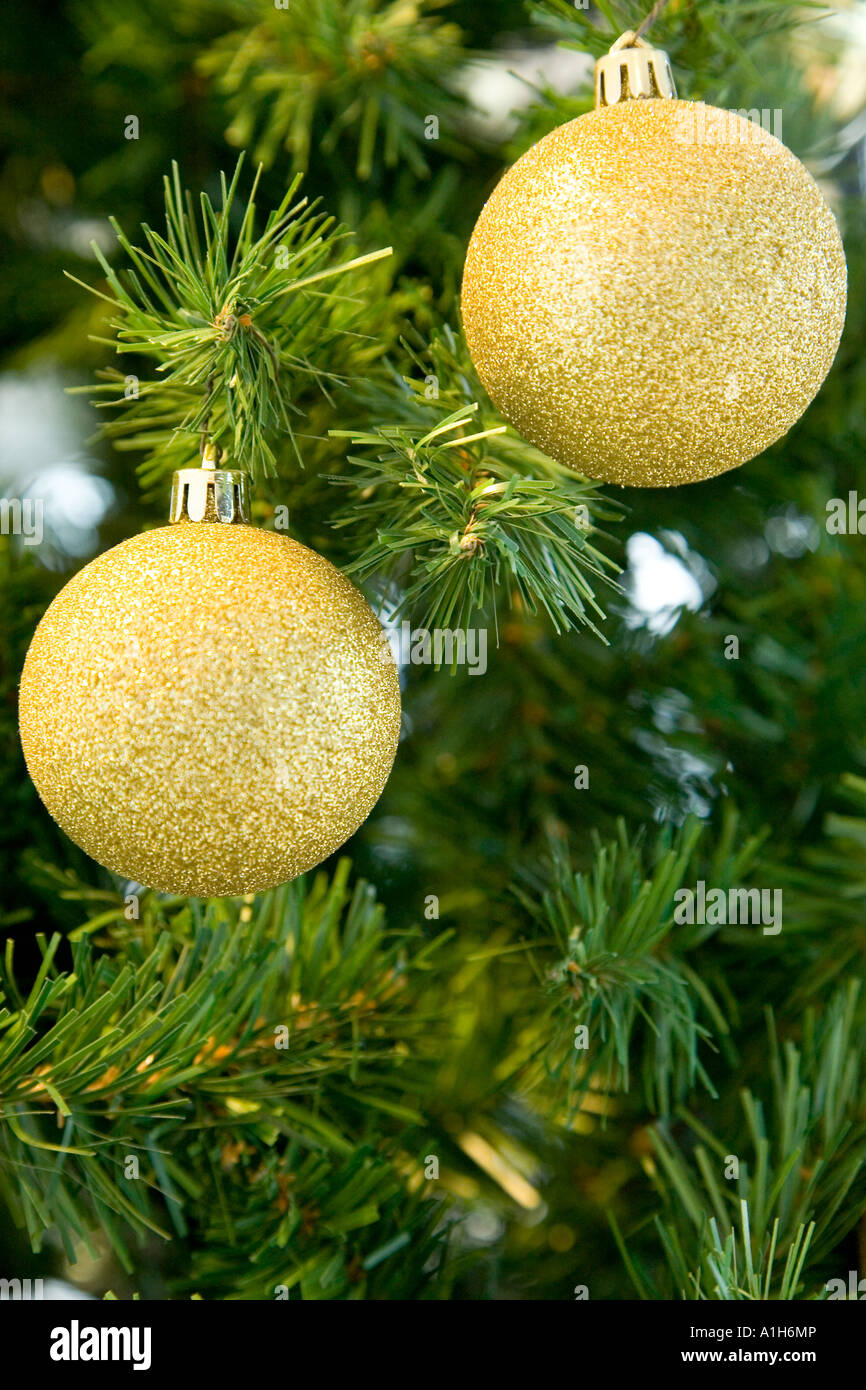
(209, 709)
(654, 293)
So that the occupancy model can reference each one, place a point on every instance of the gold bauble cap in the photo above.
(632, 70)
(210, 494)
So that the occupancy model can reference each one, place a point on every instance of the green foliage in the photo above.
(339, 72)
(830, 888)
(350, 1231)
(198, 1038)
(472, 511)
(620, 967)
(799, 1194)
(231, 321)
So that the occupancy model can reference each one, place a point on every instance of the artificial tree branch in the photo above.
(232, 322)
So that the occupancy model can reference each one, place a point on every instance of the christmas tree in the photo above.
(579, 1010)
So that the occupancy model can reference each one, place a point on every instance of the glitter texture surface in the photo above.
(205, 709)
(654, 293)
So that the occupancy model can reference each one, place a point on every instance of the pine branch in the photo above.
(613, 963)
(295, 1224)
(828, 890)
(367, 74)
(196, 1034)
(823, 885)
(728, 1221)
(457, 512)
(238, 324)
